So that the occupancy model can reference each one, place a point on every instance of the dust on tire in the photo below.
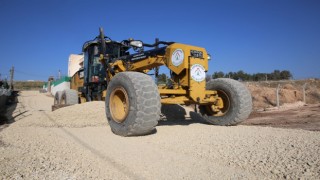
(144, 104)
(240, 105)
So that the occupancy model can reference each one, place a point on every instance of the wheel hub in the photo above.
(119, 104)
(222, 107)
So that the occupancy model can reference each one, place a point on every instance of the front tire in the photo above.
(236, 99)
(57, 97)
(132, 104)
(69, 97)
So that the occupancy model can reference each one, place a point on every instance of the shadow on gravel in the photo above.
(6, 116)
(177, 115)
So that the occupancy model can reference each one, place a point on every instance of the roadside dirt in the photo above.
(76, 143)
(298, 117)
(264, 93)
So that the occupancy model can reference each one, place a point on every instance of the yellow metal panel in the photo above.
(197, 86)
(175, 100)
(104, 93)
(211, 92)
(120, 65)
(148, 63)
(76, 82)
(174, 61)
(172, 91)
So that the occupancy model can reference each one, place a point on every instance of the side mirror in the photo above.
(137, 44)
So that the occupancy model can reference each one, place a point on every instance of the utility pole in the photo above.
(266, 77)
(277, 92)
(59, 74)
(11, 77)
(304, 92)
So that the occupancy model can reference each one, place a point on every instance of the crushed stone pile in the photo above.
(79, 115)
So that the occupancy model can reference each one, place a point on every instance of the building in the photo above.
(75, 63)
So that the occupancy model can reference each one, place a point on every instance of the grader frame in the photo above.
(133, 100)
(184, 88)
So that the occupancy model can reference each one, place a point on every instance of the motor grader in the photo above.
(117, 72)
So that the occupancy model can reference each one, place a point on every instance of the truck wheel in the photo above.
(57, 97)
(236, 99)
(132, 104)
(69, 97)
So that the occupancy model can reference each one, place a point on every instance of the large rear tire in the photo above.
(236, 99)
(69, 97)
(57, 97)
(132, 104)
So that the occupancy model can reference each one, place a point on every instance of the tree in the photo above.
(216, 75)
(241, 75)
(259, 77)
(285, 75)
(208, 77)
(162, 78)
(276, 75)
(230, 75)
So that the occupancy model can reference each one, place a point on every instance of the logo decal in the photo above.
(177, 57)
(197, 72)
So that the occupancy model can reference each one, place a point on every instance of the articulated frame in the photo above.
(187, 64)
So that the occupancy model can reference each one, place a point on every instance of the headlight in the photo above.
(209, 57)
(137, 44)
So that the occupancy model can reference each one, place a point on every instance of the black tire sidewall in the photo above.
(121, 80)
(70, 96)
(219, 86)
(236, 92)
(57, 98)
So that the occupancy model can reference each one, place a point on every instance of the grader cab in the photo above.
(133, 100)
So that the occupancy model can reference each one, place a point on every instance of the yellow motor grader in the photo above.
(117, 72)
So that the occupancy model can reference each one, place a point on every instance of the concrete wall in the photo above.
(60, 87)
(74, 64)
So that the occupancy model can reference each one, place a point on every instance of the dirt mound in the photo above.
(296, 115)
(289, 87)
(264, 93)
(81, 115)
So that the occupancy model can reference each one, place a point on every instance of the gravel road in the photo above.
(76, 143)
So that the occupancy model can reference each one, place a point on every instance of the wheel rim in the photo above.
(119, 104)
(63, 100)
(82, 99)
(226, 105)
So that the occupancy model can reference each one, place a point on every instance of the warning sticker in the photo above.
(177, 57)
(197, 72)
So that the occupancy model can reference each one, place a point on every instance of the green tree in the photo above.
(208, 77)
(241, 75)
(216, 75)
(230, 75)
(275, 75)
(162, 78)
(285, 75)
(259, 77)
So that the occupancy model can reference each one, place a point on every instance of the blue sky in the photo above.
(37, 37)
